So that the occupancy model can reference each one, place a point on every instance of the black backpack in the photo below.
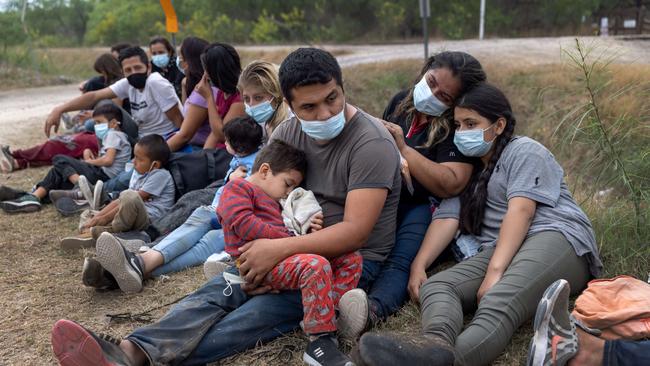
(197, 170)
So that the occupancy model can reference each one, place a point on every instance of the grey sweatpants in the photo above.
(445, 296)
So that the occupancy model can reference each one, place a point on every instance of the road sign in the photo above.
(425, 9)
(170, 16)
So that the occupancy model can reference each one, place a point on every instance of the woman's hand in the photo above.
(398, 134)
(204, 88)
(491, 278)
(416, 279)
(316, 222)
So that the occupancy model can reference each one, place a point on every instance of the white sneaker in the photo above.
(97, 195)
(216, 264)
(87, 191)
(353, 314)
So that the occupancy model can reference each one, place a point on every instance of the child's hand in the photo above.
(88, 154)
(240, 172)
(416, 279)
(316, 222)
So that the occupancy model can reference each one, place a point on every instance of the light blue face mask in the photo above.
(101, 129)
(324, 130)
(261, 112)
(424, 100)
(472, 143)
(160, 60)
(178, 65)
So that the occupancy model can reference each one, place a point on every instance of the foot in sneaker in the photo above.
(25, 203)
(57, 194)
(87, 190)
(353, 314)
(555, 340)
(68, 206)
(378, 349)
(7, 162)
(94, 275)
(78, 242)
(324, 351)
(99, 196)
(126, 267)
(96, 231)
(8, 193)
(74, 345)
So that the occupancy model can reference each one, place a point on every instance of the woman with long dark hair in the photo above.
(528, 230)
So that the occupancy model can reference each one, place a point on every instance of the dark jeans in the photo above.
(64, 167)
(207, 326)
(626, 353)
(389, 290)
(118, 183)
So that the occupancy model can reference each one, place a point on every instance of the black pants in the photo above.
(64, 167)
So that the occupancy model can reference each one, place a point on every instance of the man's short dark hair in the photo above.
(281, 157)
(244, 135)
(119, 47)
(134, 51)
(155, 147)
(109, 110)
(308, 66)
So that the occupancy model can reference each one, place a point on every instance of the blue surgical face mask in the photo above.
(472, 143)
(160, 60)
(424, 100)
(178, 65)
(261, 112)
(324, 130)
(101, 129)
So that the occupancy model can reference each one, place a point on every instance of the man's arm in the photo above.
(362, 210)
(84, 101)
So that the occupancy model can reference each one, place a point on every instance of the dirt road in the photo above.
(28, 107)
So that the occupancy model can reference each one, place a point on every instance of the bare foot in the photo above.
(590, 350)
(133, 352)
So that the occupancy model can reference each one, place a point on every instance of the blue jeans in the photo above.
(207, 326)
(389, 290)
(620, 352)
(191, 243)
(119, 182)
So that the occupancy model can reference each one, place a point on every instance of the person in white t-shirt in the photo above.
(154, 104)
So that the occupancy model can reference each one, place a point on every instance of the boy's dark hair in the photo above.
(281, 157)
(109, 110)
(156, 148)
(244, 135)
(119, 47)
(308, 66)
(134, 51)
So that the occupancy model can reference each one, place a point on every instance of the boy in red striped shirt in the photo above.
(249, 209)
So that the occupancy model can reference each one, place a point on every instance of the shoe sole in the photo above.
(84, 187)
(96, 202)
(74, 346)
(539, 343)
(22, 207)
(77, 243)
(353, 314)
(110, 255)
(5, 163)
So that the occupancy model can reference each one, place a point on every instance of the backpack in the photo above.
(197, 170)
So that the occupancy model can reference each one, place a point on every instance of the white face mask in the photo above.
(424, 100)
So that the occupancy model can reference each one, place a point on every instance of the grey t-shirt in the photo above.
(527, 169)
(120, 142)
(364, 155)
(160, 186)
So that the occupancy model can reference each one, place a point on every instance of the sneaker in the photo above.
(7, 161)
(87, 191)
(126, 267)
(376, 349)
(353, 314)
(25, 203)
(81, 241)
(99, 196)
(8, 193)
(324, 351)
(74, 345)
(216, 264)
(68, 206)
(555, 340)
(94, 275)
(57, 194)
(96, 231)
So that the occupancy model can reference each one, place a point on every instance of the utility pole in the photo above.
(425, 13)
(481, 26)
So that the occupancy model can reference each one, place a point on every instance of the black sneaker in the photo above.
(377, 349)
(94, 275)
(25, 203)
(75, 345)
(126, 267)
(324, 351)
(8, 193)
(68, 206)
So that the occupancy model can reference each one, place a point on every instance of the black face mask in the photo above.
(138, 80)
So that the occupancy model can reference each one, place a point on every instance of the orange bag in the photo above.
(619, 307)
